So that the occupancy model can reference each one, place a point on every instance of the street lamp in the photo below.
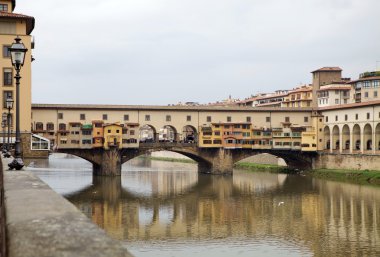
(9, 103)
(18, 52)
(3, 125)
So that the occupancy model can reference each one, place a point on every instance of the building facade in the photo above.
(11, 26)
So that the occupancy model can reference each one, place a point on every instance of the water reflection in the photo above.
(170, 211)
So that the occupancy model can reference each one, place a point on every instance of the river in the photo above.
(167, 209)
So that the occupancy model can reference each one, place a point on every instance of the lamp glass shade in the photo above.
(9, 103)
(18, 51)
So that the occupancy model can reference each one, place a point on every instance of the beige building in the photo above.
(12, 25)
(335, 94)
(367, 87)
(324, 76)
(299, 97)
(352, 128)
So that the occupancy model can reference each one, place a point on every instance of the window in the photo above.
(109, 131)
(366, 94)
(60, 116)
(207, 142)
(132, 132)
(305, 119)
(267, 119)
(368, 115)
(7, 76)
(39, 126)
(6, 52)
(50, 126)
(375, 94)
(105, 117)
(229, 119)
(188, 118)
(345, 117)
(86, 142)
(86, 132)
(248, 119)
(208, 118)
(6, 95)
(3, 8)
(147, 117)
(356, 116)
(327, 119)
(39, 143)
(336, 101)
(336, 117)
(168, 118)
(62, 126)
(287, 119)
(217, 133)
(126, 117)
(82, 116)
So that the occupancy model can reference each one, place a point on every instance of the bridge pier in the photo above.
(221, 162)
(109, 163)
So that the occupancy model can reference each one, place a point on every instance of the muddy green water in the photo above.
(166, 209)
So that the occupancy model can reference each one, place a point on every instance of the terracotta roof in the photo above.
(165, 108)
(364, 79)
(335, 88)
(346, 106)
(231, 123)
(29, 20)
(328, 69)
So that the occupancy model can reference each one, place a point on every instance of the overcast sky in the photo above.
(166, 51)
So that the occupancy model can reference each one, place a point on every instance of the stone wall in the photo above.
(2, 214)
(347, 161)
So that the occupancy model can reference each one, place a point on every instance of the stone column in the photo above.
(331, 141)
(110, 164)
(351, 140)
(340, 140)
(362, 140)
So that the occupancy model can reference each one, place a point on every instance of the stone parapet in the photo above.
(42, 223)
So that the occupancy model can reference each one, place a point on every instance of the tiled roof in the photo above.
(328, 69)
(335, 88)
(164, 108)
(352, 105)
(364, 79)
(29, 20)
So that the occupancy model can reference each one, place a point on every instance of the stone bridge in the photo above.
(210, 160)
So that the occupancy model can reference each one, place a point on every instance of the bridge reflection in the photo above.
(324, 216)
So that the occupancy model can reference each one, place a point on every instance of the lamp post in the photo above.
(18, 52)
(3, 125)
(9, 103)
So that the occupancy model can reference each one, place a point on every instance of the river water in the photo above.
(166, 209)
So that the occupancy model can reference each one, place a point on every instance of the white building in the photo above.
(335, 94)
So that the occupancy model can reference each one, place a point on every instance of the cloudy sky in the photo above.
(166, 51)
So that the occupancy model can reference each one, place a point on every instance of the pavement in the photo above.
(42, 223)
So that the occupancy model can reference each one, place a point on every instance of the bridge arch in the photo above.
(168, 133)
(346, 143)
(377, 137)
(356, 137)
(189, 134)
(326, 138)
(294, 160)
(148, 134)
(335, 139)
(367, 137)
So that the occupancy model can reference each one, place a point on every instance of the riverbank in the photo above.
(371, 177)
